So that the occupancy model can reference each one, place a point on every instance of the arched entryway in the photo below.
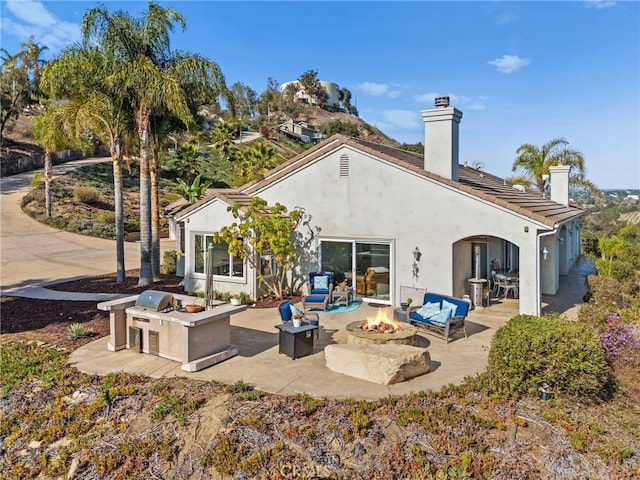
(474, 260)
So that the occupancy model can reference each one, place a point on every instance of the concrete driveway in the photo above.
(33, 255)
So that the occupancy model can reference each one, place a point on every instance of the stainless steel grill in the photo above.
(154, 300)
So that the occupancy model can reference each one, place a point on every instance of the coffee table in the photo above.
(341, 297)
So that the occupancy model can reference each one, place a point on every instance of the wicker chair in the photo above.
(320, 288)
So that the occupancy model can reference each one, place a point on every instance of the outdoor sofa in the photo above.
(440, 314)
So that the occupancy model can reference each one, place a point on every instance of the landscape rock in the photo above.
(383, 364)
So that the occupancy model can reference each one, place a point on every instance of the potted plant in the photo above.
(406, 304)
(235, 299)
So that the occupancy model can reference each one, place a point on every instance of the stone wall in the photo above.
(12, 166)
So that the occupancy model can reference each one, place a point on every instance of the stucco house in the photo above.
(387, 219)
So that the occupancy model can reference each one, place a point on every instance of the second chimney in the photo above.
(441, 139)
(559, 178)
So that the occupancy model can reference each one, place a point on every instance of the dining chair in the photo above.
(506, 285)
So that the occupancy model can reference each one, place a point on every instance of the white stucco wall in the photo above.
(378, 200)
(207, 221)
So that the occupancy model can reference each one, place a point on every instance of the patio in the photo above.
(259, 364)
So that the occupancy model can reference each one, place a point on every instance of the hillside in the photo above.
(320, 117)
(18, 141)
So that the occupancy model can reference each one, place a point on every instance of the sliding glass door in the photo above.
(364, 265)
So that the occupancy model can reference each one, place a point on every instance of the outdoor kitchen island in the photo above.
(157, 323)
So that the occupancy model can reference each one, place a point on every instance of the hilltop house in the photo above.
(388, 219)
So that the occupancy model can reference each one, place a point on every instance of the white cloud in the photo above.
(509, 63)
(375, 89)
(31, 12)
(33, 19)
(402, 118)
(599, 4)
(427, 97)
(394, 94)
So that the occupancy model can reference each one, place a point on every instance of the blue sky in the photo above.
(521, 72)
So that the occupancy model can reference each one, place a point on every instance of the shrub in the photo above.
(169, 259)
(37, 179)
(86, 195)
(529, 352)
(77, 331)
(345, 128)
(107, 217)
(620, 343)
(618, 269)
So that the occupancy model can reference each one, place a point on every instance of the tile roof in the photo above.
(230, 196)
(473, 182)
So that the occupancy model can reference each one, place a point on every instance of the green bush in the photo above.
(169, 262)
(617, 269)
(106, 216)
(37, 179)
(529, 352)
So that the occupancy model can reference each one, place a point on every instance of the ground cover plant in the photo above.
(55, 420)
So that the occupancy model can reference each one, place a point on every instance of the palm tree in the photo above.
(262, 155)
(30, 55)
(222, 138)
(534, 163)
(153, 78)
(81, 75)
(48, 131)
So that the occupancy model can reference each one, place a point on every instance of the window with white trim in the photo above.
(224, 264)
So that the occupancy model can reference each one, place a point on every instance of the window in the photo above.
(267, 265)
(223, 264)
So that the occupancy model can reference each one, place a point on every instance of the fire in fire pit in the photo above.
(381, 329)
(382, 323)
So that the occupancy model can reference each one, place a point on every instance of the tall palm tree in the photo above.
(48, 131)
(153, 78)
(81, 75)
(534, 162)
(30, 55)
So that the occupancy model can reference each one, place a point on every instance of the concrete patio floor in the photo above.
(260, 365)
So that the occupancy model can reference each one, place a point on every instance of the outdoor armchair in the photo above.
(320, 288)
(286, 314)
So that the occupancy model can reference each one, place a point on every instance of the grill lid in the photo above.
(154, 300)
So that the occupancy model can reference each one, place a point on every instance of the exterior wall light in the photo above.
(545, 253)
(417, 254)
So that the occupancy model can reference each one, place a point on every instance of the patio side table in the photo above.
(296, 342)
(343, 297)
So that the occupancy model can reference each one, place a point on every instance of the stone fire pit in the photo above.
(406, 336)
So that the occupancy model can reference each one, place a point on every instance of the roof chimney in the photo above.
(441, 139)
(560, 183)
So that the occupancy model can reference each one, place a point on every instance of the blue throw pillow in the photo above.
(441, 316)
(321, 283)
(295, 310)
(428, 310)
(452, 306)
